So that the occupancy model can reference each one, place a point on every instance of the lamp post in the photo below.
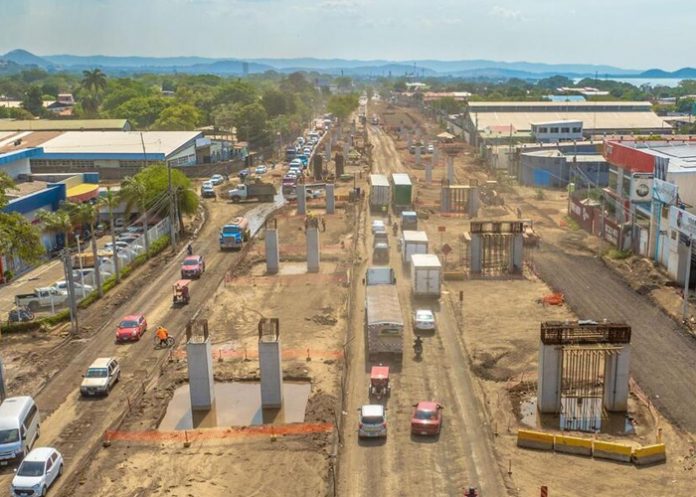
(82, 273)
(687, 277)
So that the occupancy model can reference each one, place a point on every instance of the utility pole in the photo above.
(172, 207)
(67, 266)
(687, 277)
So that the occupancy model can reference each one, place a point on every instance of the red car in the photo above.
(427, 418)
(131, 328)
(192, 267)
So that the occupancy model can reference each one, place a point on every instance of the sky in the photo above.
(631, 34)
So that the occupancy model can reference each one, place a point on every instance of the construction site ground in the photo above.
(480, 363)
(500, 319)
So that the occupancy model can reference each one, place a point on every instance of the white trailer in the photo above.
(426, 275)
(413, 242)
(379, 193)
(384, 321)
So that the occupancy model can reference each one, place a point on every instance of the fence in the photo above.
(136, 248)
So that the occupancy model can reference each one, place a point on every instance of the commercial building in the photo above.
(65, 125)
(556, 168)
(489, 123)
(113, 153)
(556, 131)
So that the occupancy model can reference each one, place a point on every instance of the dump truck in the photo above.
(263, 192)
(401, 192)
(235, 234)
(379, 193)
(384, 321)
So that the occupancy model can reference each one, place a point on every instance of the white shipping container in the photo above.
(426, 275)
(413, 242)
(379, 192)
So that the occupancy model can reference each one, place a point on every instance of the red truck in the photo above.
(192, 267)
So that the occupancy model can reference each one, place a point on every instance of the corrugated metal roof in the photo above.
(63, 124)
(521, 121)
(383, 304)
(119, 142)
(606, 104)
(401, 179)
(425, 260)
(378, 180)
(415, 236)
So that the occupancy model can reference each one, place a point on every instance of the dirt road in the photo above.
(404, 464)
(75, 425)
(596, 292)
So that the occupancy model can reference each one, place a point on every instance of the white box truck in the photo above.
(426, 275)
(379, 193)
(384, 323)
(413, 242)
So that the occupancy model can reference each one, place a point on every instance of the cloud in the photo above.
(505, 13)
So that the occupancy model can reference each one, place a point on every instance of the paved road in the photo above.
(662, 356)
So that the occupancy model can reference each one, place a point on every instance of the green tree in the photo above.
(236, 92)
(33, 101)
(179, 117)
(111, 200)
(88, 214)
(342, 106)
(155, 178)
(93, 81)
(141, 111)
(274, 102)
(134, 191)
(57, 222)
(250, 121)
(18, 237)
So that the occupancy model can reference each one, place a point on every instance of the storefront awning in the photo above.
(83, 192)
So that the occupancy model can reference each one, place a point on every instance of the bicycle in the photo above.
(168, 343)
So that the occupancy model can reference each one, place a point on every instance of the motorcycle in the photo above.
(418, 347)
(395, 229)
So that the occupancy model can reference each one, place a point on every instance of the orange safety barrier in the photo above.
(253, 354)
(553, 299)
(218, 433)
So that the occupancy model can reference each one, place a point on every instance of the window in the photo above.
(565, 130)
(553, 130)
(577, 130)
(31, 416)
(543, 129)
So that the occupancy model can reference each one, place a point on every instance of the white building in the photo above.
(557, 131)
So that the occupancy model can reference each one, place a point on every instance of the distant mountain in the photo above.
(478, 68)
(24, 58)
(8, 67)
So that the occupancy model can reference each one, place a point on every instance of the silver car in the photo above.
(101, 376)
(424, 320)
(372, 422)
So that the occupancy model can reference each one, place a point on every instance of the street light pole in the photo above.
(82, 273)
(687, 277)
(172, 204)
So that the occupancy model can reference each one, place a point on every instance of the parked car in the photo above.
(261, 169)
(119, 245)
(128, 237)
(135, 229)
(424, 320)
(38, 471)
(100, 377)
(20, 422)
(207, 191)
(41, 297)
(131, 328)
(372, 421)
(296, 163)
(80, 289)
(427, 418)
(192, 267)
(217, 179)
(378, 226)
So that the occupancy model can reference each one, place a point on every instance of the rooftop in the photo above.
(598, 121)
(26, 188)
(552, 105)
(119, 142)
(64, 124)
(14, 141)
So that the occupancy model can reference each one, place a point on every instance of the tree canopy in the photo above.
(18, 236)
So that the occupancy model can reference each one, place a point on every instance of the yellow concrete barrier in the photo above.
(573, 445)
(529, 439)
(649, 454)
(613, 451)
(455, 275)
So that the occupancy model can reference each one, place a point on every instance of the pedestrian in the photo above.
(323, 224)
(519, 213)
(189, 249)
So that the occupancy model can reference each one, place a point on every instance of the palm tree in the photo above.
(111, 201)
(88, 214)
(57, 222)
(134, 192)
(93, 81)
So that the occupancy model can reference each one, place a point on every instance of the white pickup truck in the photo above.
(42, 297)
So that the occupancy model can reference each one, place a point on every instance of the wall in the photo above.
(17, 167)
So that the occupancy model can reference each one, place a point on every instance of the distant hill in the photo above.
(475, 68)
(24, 58)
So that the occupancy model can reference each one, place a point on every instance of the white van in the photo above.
(19, 427)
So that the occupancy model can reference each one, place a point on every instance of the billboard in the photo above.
(664, 192)
(682, 221)
(641, 187)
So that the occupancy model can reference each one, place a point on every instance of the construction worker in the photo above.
(162, 335)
